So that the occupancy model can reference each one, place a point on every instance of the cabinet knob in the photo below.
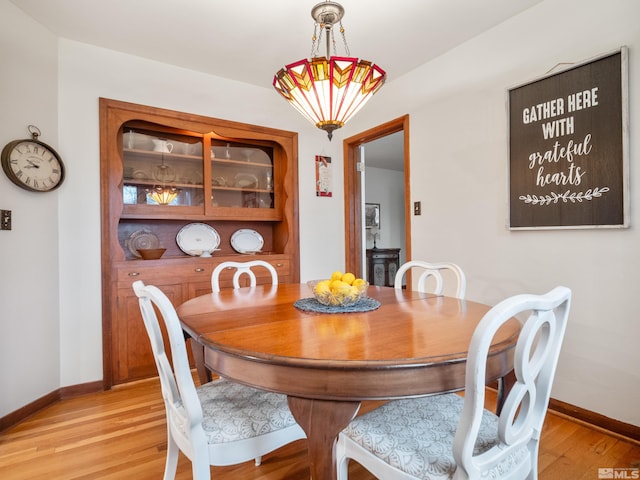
(279, 264)
(134, 274)
(199, 269)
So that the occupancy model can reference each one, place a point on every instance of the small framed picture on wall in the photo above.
(372, 215)
(324, 182)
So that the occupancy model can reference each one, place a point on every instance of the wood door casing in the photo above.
(353, 191)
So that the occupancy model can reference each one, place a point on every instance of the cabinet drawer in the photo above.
(152, 275)
(186, 273)
(384, 255)
(282, 266)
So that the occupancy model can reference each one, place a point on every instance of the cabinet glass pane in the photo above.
(161, 169)
(242, 176)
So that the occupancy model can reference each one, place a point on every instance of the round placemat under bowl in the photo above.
(365, 304)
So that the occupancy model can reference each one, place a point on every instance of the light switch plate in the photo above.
(417, 208)
(5, 219)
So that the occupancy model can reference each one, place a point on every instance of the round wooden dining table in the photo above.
(413, 344)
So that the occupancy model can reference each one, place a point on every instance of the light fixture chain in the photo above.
(320, 41)
(315, 41)
(333, 42)
(344, 39)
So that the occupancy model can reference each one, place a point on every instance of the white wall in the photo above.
(87, 73)
(29, 316)
(459, 165)
(386, 187)
(458, 143)
(50, 316)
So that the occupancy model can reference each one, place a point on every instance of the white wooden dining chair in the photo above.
(453, 437)
(241, 268)
(433, 270)
(219, 423)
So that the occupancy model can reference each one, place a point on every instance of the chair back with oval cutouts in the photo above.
(535, 360)
(433, 271)
(241, 268)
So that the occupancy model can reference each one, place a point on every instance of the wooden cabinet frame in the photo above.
(182, 275)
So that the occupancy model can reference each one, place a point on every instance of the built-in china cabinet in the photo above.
(207, 190)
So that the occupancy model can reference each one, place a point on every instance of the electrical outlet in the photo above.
(417, 208)
(5, 219)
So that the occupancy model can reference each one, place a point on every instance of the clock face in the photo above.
(32, 165)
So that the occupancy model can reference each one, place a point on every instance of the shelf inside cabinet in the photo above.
(153, 154)
(241, 163)
(242, 189)
(144, 165)
(164, 234)
(139, 181)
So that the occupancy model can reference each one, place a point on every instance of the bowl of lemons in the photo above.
(341, 290)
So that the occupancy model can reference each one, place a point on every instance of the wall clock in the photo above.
(32, 164)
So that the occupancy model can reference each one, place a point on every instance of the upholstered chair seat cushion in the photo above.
(416, 436)
(235, 412)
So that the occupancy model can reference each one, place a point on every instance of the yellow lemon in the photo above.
(348, 278)
(323, 287)
(340, 289)
(358, 282)
(338, 285)
(354, 292)
(337, 275)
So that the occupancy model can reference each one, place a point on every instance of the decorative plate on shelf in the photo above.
(246, 180)
(196, 238)
(143, 239)
(247, 240)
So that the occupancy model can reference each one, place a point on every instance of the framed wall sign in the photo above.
(569, 147)
(372, 215)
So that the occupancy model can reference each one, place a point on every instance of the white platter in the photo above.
(141, 239)
(246, 180)
(197, 238)
(246, 240)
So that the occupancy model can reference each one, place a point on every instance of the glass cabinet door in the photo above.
(241, 175)
(162, 169)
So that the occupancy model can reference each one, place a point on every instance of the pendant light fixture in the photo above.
(329, 90)
(163, 194)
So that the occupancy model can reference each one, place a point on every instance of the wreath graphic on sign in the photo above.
(567, 196)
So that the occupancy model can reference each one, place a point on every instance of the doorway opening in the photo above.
(354, 200)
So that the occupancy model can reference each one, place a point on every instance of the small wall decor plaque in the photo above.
(324, 187)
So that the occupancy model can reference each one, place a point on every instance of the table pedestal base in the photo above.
(322, 421)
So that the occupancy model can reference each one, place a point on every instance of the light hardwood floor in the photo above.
(120, 434)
